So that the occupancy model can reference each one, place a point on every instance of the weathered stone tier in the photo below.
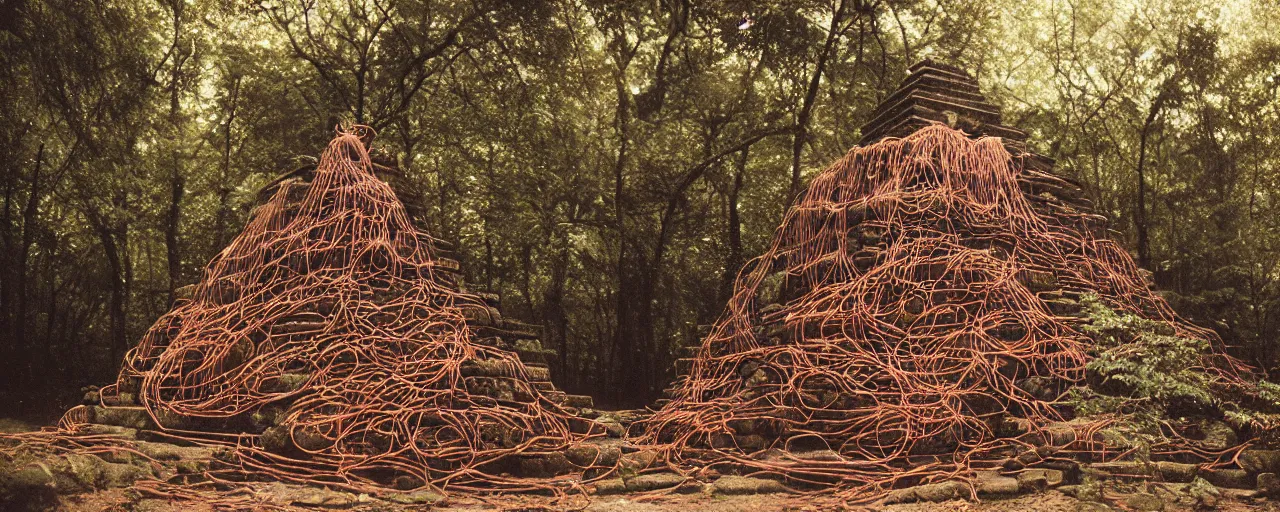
(936, 92)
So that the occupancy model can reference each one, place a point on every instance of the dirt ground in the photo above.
(1051, 501)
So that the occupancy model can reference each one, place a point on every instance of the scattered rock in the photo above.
(942, 491)
(545, 465)
(1218, 436)
(612, 486)
(613, 428)
(152, 505)
(1205, 494)
(654, 481)
(1269, 485)
(1090, 490)
(324, 498)
(820, 456)
(639, 460)
(1123, 469)
(1176, 472)
(992, 483)
(1039, 479)
(1260, 461)
(1229, 478)
(1144, 502)
(284, 494)
(422, 497)
(276, 439)
(593, 454)
(166, 451)
(737, 485)
(192, 467)
(109, 430)
(30, 488)
(129, 417)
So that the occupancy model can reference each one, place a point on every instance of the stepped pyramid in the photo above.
(484, 316)
(333, 342)
(917, 315)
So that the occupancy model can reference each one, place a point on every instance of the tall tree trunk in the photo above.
(112, 245)
(177, 185)
(9, 347)
(24, 253)
(177, 188)
(733, 260)
(810, 97)
(625, 325)
(1140, 215)
(553, 313)
(224, 187)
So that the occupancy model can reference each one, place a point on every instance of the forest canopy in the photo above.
(607, 167)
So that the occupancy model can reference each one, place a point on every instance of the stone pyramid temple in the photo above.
(333, 341)
(918, 314)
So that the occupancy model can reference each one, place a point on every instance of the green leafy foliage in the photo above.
(1143, 360)
(1147, 375)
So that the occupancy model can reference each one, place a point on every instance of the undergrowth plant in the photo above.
(1146, 375)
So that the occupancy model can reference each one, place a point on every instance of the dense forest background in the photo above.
(606, 166)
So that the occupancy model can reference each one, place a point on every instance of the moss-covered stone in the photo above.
(740, 485)
(109, 430)
(1269, 485)
(941, 491)
(1038, 479)
(276, 439)
(992, 483)
(128, 417)
(166, 451)
(1176, 472)
(544, 466)
(31, 488)
(639, 460)
(593, 454)
(612, 486)
(421, 497)
(1229, 478)
(654, 481)
(1144, 502)
(1260, 461)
